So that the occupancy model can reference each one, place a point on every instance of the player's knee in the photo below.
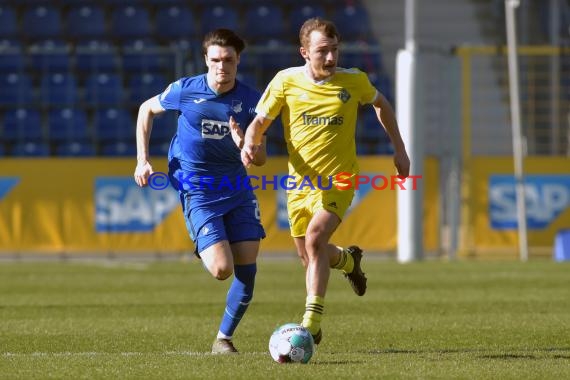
(221, 273)
(314, 244)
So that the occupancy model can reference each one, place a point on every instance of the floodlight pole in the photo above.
(409, 111)
(518, 153)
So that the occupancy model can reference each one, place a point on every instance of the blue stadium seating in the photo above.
(68, 124)
(59, 89)
(103, 89)
(131, 21)
(8, 22)
(164, 126)
(86, 22)
(219, 16)
(119, 148)
(113, 125)
(22, 124)
(352, 22)
(16, 89)
(175, 22)
(264, 21)
(41, 22)
(11, 56)
(138, 56)
(31, 149)
(96, 56)
(299, 14)
(145, 86)
(51, 55)
(75, 149)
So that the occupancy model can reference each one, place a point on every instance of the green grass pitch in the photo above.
(428, 320)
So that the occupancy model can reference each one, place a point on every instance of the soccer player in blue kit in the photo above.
(221, 212)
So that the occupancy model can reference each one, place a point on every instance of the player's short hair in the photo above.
(223, 37)
(326, 27)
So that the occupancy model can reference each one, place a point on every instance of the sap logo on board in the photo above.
(546, 197)
(122, 206)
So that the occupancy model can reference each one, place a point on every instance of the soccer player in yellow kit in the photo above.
(318, 103)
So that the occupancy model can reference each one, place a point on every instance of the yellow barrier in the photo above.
(93, 206)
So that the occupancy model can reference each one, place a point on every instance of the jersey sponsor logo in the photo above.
(546, 197)
(236, 106)
(215, 129)
(7, 184)
(343, 95)
(198, 101)
(122, 206)
(322, 120)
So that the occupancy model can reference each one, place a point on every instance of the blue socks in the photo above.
(239, 296)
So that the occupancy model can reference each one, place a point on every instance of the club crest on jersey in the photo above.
(215, 129)
(236, 106)
(343, 95)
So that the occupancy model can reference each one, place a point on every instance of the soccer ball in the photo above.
(291, 343)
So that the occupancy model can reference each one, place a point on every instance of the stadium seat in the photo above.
(85, 22)
(96, 56)
(113, 125)
(59, 89)
(175, 22)
(8, 22)
(352, 22)
(141, 56)
(68, 124)
(264, 21)
(75, 149)
(274, 57)
(131, 21)
(164, 126)
(16, 89)
(219, 16)
(158, 148)
(119, 148)
(41, 22)
(31, 149)
(11, 56)
(145, 86)
(299, 14)
(22, 124)
(51, 56)
(104, 89)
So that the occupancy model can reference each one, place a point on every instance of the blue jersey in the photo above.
(203, 157)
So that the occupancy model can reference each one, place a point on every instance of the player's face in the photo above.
(222, 62)
(321, 54)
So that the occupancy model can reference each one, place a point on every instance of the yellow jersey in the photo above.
(319, 118)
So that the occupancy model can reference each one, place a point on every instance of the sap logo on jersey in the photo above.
(546, 196)
(215, 129)
(121, 206)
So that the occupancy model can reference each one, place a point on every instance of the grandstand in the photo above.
(88, 60)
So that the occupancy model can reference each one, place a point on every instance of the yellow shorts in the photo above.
(301, 206)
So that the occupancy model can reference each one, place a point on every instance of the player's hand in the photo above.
(248, 153)
(237, 133)
(402, 163)
(142, 172)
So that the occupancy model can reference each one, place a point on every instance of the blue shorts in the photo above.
(210, 219)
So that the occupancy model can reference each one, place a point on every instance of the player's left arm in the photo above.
(387, 117)
(237, 135)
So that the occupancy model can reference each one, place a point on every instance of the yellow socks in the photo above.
(345, 262)
(314, 308)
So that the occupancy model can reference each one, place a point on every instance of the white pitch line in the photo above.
(90, 354)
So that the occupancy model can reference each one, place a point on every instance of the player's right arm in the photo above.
(147, 111)
(253, 139)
